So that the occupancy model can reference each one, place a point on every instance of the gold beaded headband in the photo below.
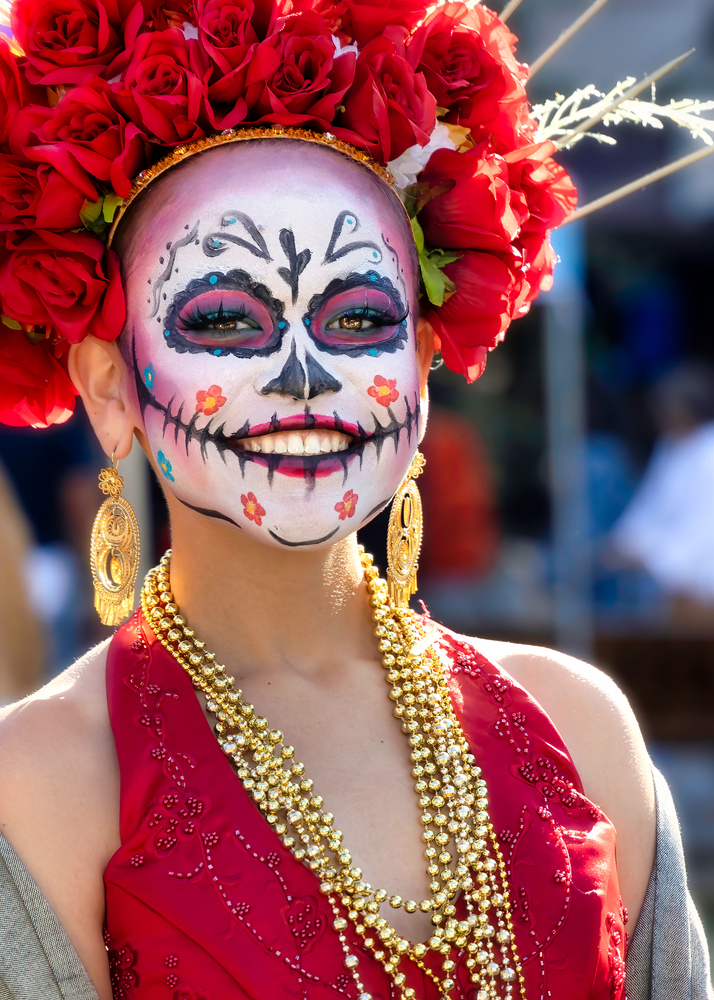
(181, 153)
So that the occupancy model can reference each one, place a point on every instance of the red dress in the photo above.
(204, 902)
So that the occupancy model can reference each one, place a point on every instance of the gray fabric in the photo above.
(668, 957)
(37, 961)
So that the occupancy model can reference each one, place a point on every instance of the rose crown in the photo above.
(97, 92)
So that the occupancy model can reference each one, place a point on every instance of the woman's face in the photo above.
(271, 339)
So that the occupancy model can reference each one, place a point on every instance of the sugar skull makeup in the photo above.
(271, 339)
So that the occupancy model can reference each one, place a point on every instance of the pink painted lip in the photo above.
(297, 467)
(303, 422)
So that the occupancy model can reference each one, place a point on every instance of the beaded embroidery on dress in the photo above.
(204, 901)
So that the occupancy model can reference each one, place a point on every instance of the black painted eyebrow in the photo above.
(331, 255)
(173, 248)
(215, 244)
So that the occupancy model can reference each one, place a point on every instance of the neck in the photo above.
(259, 606)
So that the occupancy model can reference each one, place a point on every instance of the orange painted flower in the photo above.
(346, 506)
(252, 509)
(384, 390)
(209, 401)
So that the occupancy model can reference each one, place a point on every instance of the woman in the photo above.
(273, 364)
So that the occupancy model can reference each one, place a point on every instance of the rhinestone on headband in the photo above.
(181, 153)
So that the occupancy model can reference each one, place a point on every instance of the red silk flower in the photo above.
(72, 41)
(389, 107)
(35, 388)
(86, 140)
(295, 75)
(163, 89)
(228, 37)
(461, 73)
(476, 212)
(68, 283)
(476, 317)
(362, 20)
(12, 96)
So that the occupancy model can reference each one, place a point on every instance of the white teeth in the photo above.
(295, 445)
(298, 443)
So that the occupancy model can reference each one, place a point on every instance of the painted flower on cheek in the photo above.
(347, 505)
(384, 390)
(149, 376)
(165, 466)
(252, 509)
(210, 400)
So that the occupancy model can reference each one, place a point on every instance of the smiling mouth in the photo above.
(298, 443)
(305, 445)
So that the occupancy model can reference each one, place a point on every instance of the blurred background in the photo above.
(568, 494)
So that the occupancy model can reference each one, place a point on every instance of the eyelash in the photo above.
(377, 316)
(198, 320)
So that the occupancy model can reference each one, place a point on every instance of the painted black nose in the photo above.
(298, 383)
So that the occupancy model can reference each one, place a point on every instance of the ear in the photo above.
(100, 376)
(425, 352)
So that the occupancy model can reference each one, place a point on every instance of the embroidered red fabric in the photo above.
(204, 902)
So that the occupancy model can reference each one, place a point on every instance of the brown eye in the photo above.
(231, 325)
(351, 323)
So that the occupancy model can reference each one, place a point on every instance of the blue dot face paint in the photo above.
(213, 279)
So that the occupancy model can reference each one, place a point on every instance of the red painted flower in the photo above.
(384, 390)
(346, 506)
(252, 509)
(210, 400)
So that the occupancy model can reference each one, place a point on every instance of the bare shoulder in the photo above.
(603, 737)
(59, 798)
(41, 733)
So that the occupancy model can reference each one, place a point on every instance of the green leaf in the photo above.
(12, 323)
(110, 205)
(90, 212)
(418, 236)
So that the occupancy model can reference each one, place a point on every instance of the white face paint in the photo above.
(271, 333)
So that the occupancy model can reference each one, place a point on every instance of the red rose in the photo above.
(361, 20)
(296, 75)
(163, 89)
(538, 263)
(19, 192)
(512, 126)
(35, 389)
(460, 71)
(476, 213)
(66, 282)
(228, 36)
(170, 14)
(86, 139)
(36, 199)
(476, 317)
(543, 194)
(71, 41)
(12, 96)
(388, 108)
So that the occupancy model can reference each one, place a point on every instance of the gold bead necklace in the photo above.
(452, 795)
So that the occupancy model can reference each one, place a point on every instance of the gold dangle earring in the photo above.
(406, 527)
(114, 551)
